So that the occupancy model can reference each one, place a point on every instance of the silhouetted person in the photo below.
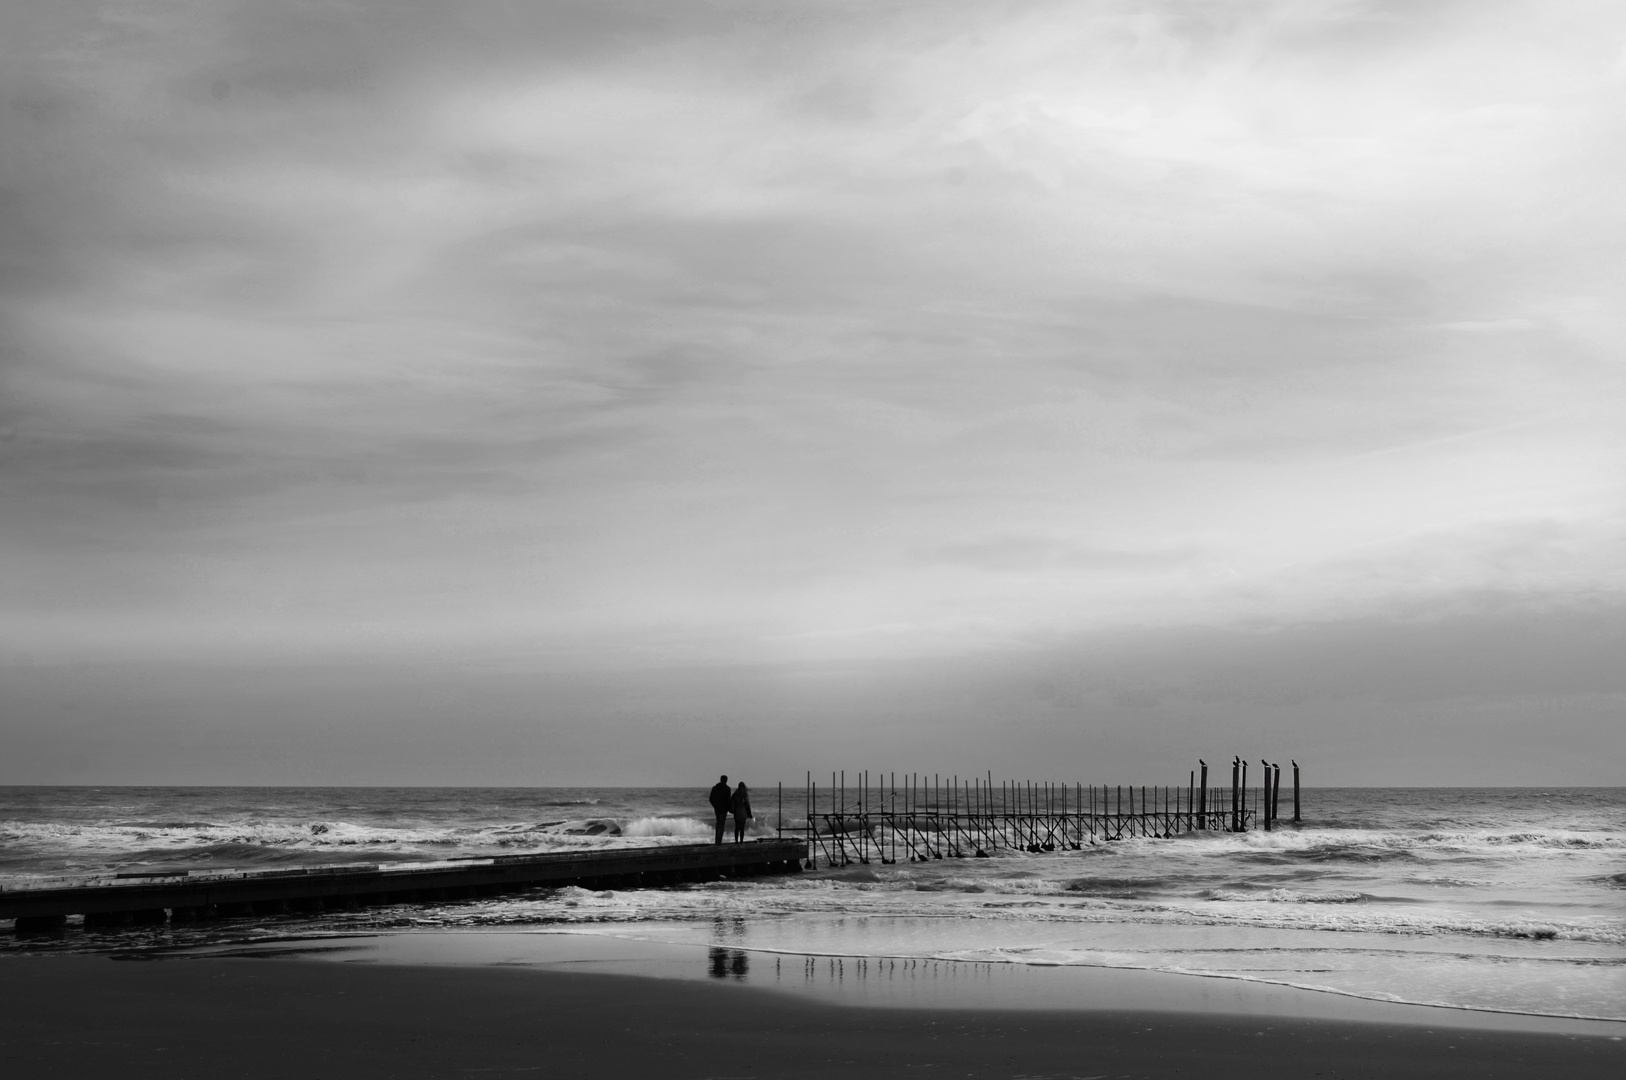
(721, 797)
(740, 804)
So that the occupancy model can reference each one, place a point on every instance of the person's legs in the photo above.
(739, 829)
(722, 820)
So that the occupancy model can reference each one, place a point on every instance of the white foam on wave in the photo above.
(31, 852)
(1333, 842)
(688, 828)
(1048, 903)
(114, 840)
(1288, 896)
(1032, 902)
(591, 827)
(1463, 988)
(1362, 918)
(1508, 974)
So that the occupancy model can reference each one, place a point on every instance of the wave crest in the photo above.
(669, 826)
(1285, 896)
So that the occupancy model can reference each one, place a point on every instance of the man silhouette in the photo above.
(720, 799)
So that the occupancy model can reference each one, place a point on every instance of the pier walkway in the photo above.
(182, 896)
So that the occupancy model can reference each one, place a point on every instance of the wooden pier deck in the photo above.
(181, 895)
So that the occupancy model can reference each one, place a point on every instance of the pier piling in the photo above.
(1295, 792)
(936, 816)
(1202, 795)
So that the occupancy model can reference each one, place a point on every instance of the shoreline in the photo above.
(893, 982)
(146, 1015)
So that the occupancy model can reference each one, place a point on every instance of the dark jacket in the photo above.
(741, 803)
(720, 797)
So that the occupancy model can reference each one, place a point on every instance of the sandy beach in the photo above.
(77, 1016)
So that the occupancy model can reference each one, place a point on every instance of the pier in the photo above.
(884, 817)
(145, 898)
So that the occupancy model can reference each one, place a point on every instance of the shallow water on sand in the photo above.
(892, 982)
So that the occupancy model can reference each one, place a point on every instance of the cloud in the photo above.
(1490, 326)
(713, 334)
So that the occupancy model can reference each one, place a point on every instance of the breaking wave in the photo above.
(688, 828)
(1286, 896)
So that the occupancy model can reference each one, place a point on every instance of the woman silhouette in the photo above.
(740, 804)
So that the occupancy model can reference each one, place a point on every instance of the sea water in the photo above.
(1508, 900)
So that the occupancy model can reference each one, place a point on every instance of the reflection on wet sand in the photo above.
(902, 982)
(726, 963)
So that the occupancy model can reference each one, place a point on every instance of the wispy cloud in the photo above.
(729, 333)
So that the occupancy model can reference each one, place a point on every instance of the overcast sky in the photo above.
(607, 392)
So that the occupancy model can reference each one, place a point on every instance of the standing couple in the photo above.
(736, 802)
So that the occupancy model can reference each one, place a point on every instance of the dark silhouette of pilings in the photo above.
(925, 818)
(1237, 773)
(1264, 800)
(1296, 817)
(1202, 795)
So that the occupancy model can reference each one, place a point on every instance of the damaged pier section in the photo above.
(886, 817)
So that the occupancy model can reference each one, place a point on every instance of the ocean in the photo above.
(1494, 899)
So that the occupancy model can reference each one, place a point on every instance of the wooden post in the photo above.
(1264, 803)
(1276, 790)
(1236, 774)
(1202, 796)
(1295, 792)
(985, 806)
(974, 800)
(812, 830)
(1233, 793)
(863, 848)
(1242, 818)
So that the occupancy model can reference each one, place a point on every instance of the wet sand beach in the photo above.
(242, 1016)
